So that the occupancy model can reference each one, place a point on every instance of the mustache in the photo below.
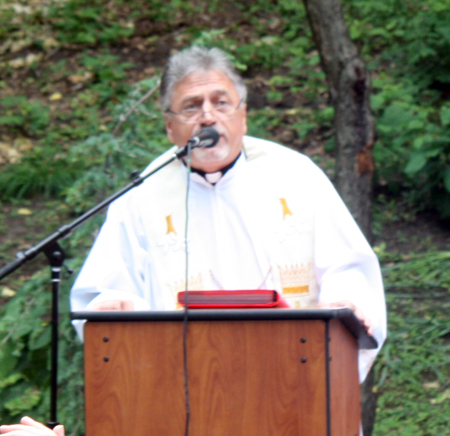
(219, 130)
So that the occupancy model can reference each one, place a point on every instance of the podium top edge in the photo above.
(212, 315)
(345, 315)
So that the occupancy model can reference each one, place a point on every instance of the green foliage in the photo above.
(428, 271)
(414, 365)
(171, 10)
(413, 35)
(15, 17)
(415, 370)
(23, 116)
(413, 148)
(96, 165)
(85, 22)
(267, 52)
(42, 171)
(109, 74)
(6, 16)
(263, 120)
(279, 36)
(50, 168)
(76, 157)
(408, 45)
(106, 162)
(112, 158)
(24, 356)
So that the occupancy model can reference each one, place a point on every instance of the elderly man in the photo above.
(258, 216)
(253, 214)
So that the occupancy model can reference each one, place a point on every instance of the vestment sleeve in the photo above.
(116, 265)
(346, 266)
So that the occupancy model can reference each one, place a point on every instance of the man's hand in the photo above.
(120, 305)
(30, 427)
(349, 305)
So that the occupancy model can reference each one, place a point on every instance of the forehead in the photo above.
(203, 84)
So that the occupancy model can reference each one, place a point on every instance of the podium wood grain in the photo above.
(345, 405)
(247, 378)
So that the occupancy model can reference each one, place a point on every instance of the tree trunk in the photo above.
(349, 86)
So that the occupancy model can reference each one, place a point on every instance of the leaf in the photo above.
(11, 120)
(29, 398)
(416, 124)
(40, 341)
(445, 116)
(55, 96)
(24, 211)
(396, 116)
(10, 380)
(441, 398)
(7, 360)
(446, 179)
(416, 163)
(431, 385)
(7, 292)
(22, 330)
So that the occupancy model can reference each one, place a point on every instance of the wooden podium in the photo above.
(250, 373)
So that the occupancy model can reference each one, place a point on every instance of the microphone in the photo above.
(207, 138)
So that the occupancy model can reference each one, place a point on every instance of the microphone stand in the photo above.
(56, 257)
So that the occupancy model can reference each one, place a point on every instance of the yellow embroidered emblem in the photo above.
(285, 207)
(170, 227)
(171, 242)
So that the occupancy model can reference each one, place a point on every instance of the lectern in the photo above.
(270, 372)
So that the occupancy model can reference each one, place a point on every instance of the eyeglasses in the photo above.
(191, 114)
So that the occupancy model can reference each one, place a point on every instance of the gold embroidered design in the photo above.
(171, 241)
(170, 227)
(285, 207)
(295, 279)
(292, 224)
(296, 290)
(194, 284)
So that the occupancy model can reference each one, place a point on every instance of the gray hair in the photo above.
(194, 59)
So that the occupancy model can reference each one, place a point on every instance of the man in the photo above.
(258, 216)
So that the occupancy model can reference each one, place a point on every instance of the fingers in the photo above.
(341, 304)
(59, 430)
(364, 321)
(30, 427)
(26, 420)
(119, 305)
(19, 432)
(345, 304)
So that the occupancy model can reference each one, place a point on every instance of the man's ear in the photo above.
(169, 131)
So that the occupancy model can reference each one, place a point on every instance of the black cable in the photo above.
(186, 301)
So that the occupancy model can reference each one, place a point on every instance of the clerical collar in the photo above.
(213, 178)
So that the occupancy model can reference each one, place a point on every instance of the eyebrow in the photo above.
(200, 96)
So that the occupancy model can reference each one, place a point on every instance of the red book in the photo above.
(258, 298)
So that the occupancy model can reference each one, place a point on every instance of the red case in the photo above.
(237, 299)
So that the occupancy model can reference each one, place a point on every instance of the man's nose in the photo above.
(208, 116)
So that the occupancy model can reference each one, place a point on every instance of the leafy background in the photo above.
(70, 71)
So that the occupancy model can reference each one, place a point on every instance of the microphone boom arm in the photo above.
(56, 256)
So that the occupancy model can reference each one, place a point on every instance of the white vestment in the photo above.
(273, 221)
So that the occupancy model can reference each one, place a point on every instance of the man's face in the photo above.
(204, 88)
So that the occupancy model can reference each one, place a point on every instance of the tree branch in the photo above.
(123, 118)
